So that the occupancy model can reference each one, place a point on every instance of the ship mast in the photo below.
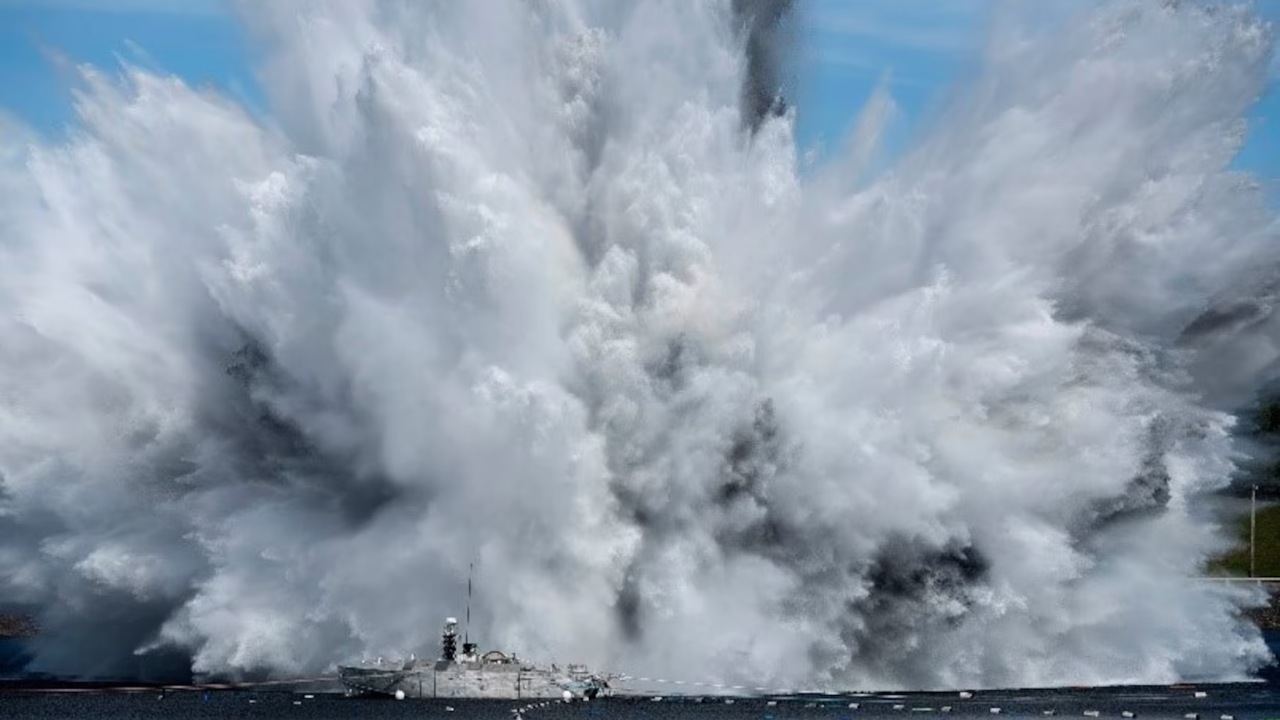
(466, 629)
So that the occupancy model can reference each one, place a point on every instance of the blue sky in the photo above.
(42, 40)
(924, 44)
(848, 47)
(917, 46)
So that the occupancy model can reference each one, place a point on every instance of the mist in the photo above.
(543, 287)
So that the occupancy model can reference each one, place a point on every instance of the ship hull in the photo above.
(458, 681)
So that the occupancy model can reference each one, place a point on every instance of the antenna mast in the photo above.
(466, 631)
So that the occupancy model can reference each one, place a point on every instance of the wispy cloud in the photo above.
(937, 26)
(845, 60)
(911, 39)
(165, 7)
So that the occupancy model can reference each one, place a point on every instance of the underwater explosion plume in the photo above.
(540, 286)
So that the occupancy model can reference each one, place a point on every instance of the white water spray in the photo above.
(514, 283)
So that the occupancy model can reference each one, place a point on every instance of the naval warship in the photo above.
(493, 675)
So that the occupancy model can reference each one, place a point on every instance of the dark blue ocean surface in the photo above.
(1240, 702)
(1247, 701)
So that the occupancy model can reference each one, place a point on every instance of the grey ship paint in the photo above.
(494, 674)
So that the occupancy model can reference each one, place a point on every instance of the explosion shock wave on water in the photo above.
(539, 286)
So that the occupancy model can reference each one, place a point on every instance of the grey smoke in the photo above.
(538, 286)
(764, 30)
